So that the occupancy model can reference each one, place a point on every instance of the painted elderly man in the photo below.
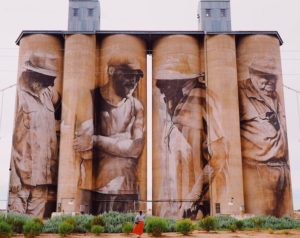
(118, 138)
(194, 143)
(266, 170)
(34, 149)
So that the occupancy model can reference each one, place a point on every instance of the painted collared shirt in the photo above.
(188, 135)
(263, 129)
(34, 151)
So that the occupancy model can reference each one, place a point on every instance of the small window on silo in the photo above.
(90, 12)
(208, 12)
(223, 12)
(75, 12)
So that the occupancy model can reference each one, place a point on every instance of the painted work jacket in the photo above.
(263, 128)
(34, 148)
(188, 136)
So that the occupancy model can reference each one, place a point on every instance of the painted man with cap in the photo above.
(34, 149)
(266, 170)
(195, 144)
(118, 138)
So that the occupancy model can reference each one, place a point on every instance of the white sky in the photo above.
(283, 16)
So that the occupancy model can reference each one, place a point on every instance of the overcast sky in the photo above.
(282, 16)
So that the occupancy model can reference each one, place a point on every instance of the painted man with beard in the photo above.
(118, 137)
(266, 170)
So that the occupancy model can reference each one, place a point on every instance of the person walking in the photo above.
(139, 224)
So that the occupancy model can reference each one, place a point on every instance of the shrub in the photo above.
(171, 225)
(65, 228)
(184, 226)
(208, 223)
(225, 222)
(97, 229)
(258, 222)
(127, 228)
(239, 225)
(97, 220)
(70, 220)
(233, 227)
(32, 228)
(81, 223)
(155, 226)
(5, 230)
(17, 221)
(114, 221)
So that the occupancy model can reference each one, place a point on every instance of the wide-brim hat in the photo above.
(265, 65)
(176, 68)
(123, 60)
(42, 64)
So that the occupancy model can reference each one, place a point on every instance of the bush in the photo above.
(81, 223)
(225, 222)
(65, 228)
(5, 230)
(97, 220)
(97, 229)
(208, 223)
(32, 228)
(184, 226)
(17, 221)
(127, 228)
(233, 227)
(258, 222)
(155, 226)
(70, 220)
(114, 221)
(239, 225)
(171, 225)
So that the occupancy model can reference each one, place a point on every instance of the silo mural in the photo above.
(79, 142)
(75, 163)
(34, 162)
(119, 125)
(184, 163)
(266, 172)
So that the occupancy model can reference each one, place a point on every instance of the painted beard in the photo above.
(124, 87)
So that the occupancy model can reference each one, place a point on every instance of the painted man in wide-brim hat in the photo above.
(185, 95)
(118, 138)
(264, 143)
(34, 149)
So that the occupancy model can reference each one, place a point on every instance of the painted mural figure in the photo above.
(34, 151)
(264, 142)
(118, 137)
(195, 147)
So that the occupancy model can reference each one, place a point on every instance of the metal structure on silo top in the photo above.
(214, 15)
(84, 15)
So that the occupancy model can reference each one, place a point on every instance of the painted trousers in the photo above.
(29, 200)
(267, 187)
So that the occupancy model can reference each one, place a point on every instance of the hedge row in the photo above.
(114, 222)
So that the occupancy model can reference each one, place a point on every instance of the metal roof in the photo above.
(148, 36)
